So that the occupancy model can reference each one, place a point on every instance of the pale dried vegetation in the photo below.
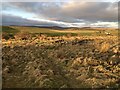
(61, 62)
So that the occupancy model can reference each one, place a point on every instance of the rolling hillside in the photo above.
(58, 32)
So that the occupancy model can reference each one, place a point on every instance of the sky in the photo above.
(69, 13)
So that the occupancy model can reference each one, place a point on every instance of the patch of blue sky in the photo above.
(19, 13)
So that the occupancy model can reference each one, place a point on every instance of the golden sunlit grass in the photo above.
(104, 47)
(42, 61)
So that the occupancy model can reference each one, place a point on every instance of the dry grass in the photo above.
(104, 47)
(57, 62)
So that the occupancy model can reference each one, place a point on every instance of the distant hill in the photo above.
(55, 30)
(8, 29)
(65, 28)
(52, 27)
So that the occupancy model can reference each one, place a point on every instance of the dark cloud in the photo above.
(70, 12)
(65, 12)
(92, 11)
(15, 20)
(8, 19)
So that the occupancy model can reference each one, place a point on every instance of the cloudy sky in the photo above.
(70, 13)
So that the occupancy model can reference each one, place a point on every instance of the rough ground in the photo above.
(82, 62)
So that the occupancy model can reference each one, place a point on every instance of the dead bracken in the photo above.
(57, 62)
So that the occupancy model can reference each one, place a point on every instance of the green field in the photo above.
(53, 32)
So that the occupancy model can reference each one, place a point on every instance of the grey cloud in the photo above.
(70, 12)
(75, 12)
(92, 11)
(8, 19)
(15, 20)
